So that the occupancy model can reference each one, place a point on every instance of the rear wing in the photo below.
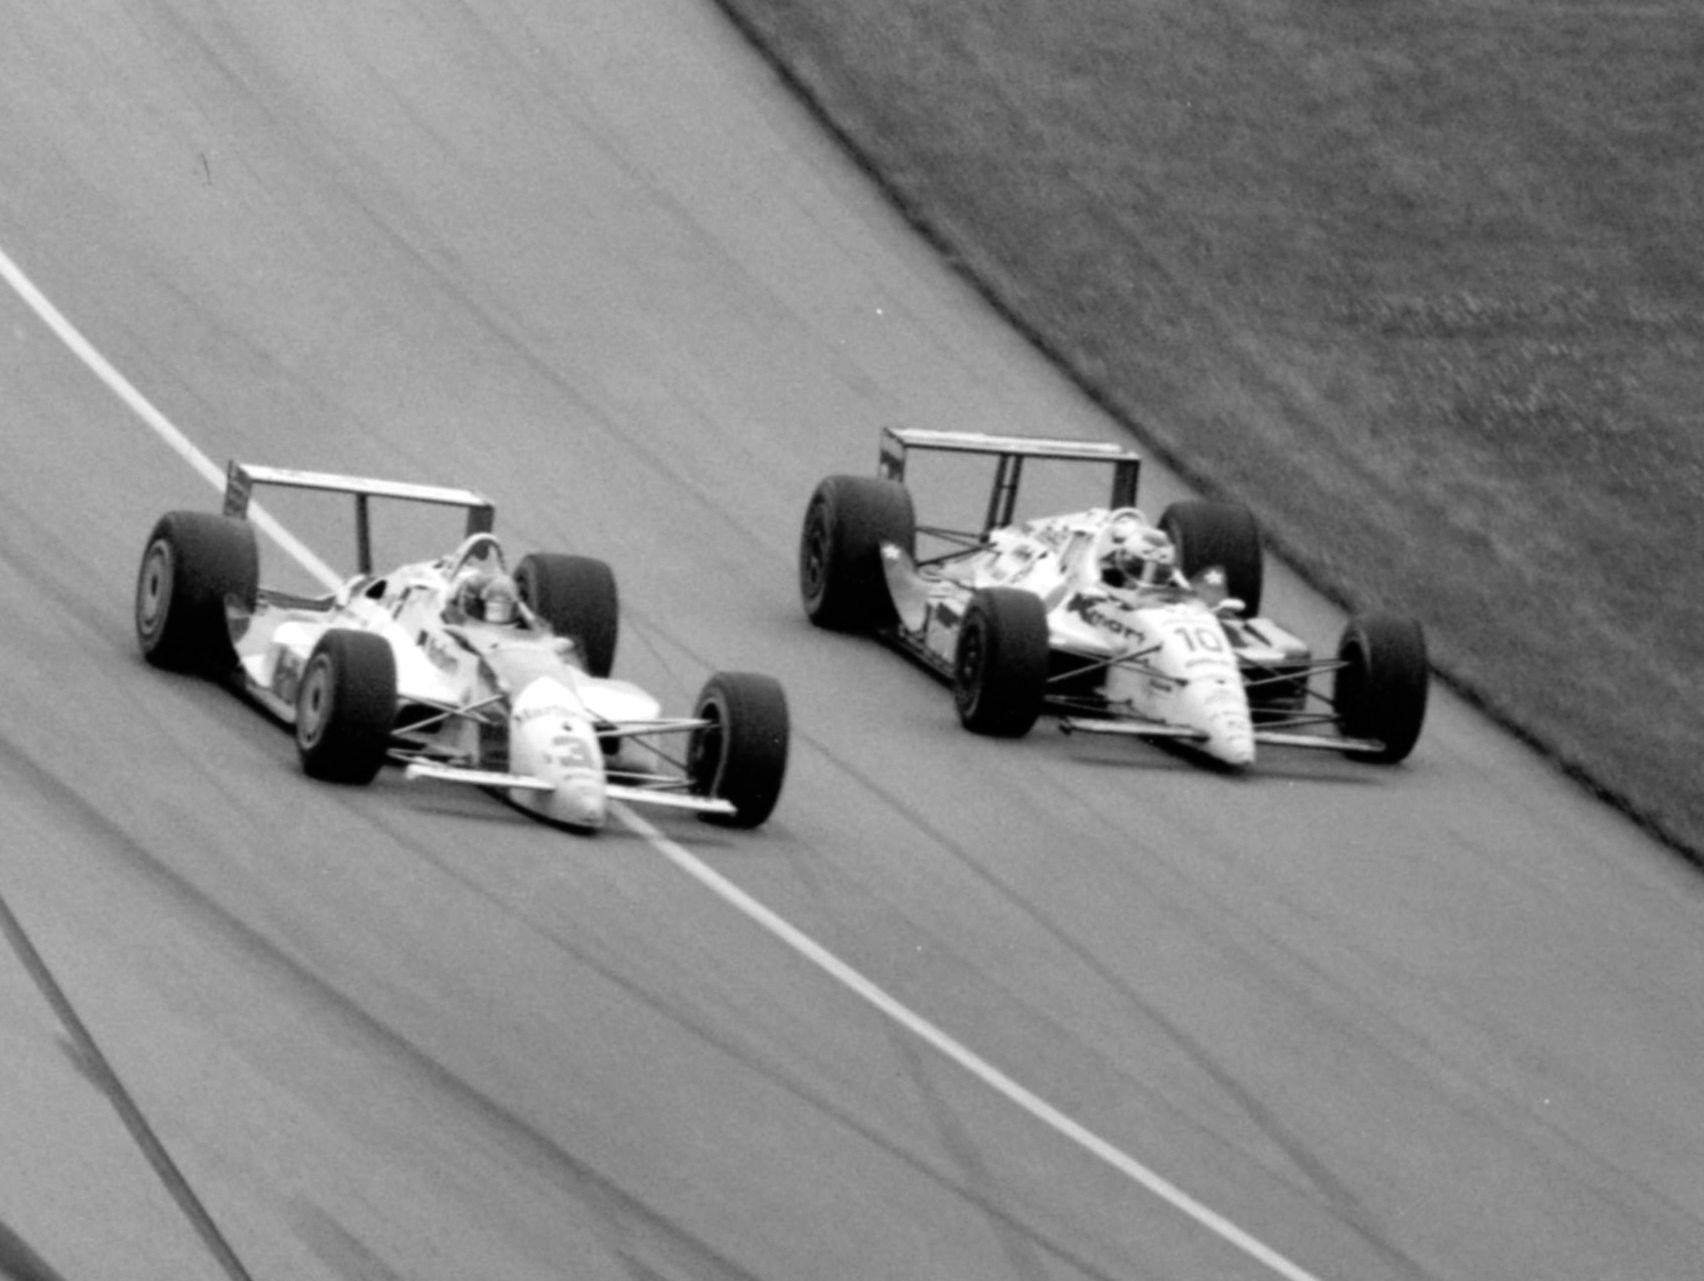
(1010, 452)
(241, 478)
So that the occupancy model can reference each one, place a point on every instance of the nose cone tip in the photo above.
(580, 802)
(1221, 714)
(1233, 747)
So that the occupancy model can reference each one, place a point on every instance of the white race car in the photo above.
(1121, 625)
(452, 667)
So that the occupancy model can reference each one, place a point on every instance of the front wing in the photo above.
(1274, 737)
(627, 785)
(500, 781)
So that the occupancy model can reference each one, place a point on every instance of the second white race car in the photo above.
(455, 668)
(1120, 625)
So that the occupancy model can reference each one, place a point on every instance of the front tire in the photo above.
(740, 756)
(840, 569)
(1219, 535)
(192, 564)
(576, 595)
(345, 707)
(1001, 663)
(1380, 691)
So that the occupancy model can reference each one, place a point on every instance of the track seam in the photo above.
(89, 1056)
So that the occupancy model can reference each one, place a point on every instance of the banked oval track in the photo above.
(1441, 1021)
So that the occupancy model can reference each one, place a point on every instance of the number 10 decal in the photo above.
(1201, 639)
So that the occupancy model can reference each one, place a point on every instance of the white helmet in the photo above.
(491, 597)
(1137, 552)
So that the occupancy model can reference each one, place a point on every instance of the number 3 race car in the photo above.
(1122, 626)
(453, 668)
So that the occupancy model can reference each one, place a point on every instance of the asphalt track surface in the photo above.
(1142, 1019)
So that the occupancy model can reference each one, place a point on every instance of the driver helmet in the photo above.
(1137, 553)
(489, 597)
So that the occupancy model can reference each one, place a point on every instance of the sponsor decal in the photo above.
(1200, 638)
(238, 488)
(569, 751)
(287, 675)
(1013, 563)
(529, 714)
(441, 654)
(941, 626)
(1099, 613)
(1054, 537)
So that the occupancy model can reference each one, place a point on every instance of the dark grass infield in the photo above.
(1423, 284)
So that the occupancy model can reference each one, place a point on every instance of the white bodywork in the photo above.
(1161, 659)
(505, 707)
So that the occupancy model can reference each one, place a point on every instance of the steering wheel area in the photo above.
(1112, 526)
(481, 551)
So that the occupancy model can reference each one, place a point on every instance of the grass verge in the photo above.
(1419, 283)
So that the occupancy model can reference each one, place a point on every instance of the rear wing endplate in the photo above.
(1011, 452)
(241, 478)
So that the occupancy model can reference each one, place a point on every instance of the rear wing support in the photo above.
(241, 478)
(1009, 453)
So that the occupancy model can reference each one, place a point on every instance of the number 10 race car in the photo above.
(453, 668)
(1120, 625)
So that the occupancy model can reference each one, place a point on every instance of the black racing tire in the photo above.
(1223, 535)
(192, 564)
(576, 596)
(840, 568)
(741, 755)
(346, 705)
(1001, 663)
(1380, 691)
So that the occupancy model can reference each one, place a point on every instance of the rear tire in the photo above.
(346, 706)
(1380, 692)
(840, 567)
(1001, 664)
(576, 595)
(741, 755)
(192, 564)
(1225, 535)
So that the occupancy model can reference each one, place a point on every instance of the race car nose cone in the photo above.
(551, 739)
(1232, 748)
(1230, 735)
(578, 802)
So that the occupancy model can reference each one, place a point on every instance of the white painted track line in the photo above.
(157, 422)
